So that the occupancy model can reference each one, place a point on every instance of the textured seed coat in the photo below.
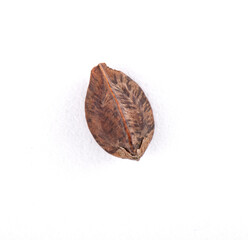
(118, 113)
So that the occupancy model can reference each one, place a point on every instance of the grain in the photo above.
(118, 113)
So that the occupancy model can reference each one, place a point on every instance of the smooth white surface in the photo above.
(190, 58)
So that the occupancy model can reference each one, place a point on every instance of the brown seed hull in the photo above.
(118, 113)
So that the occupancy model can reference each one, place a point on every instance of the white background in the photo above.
(190, 58)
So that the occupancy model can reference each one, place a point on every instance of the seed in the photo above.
(118, 113)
